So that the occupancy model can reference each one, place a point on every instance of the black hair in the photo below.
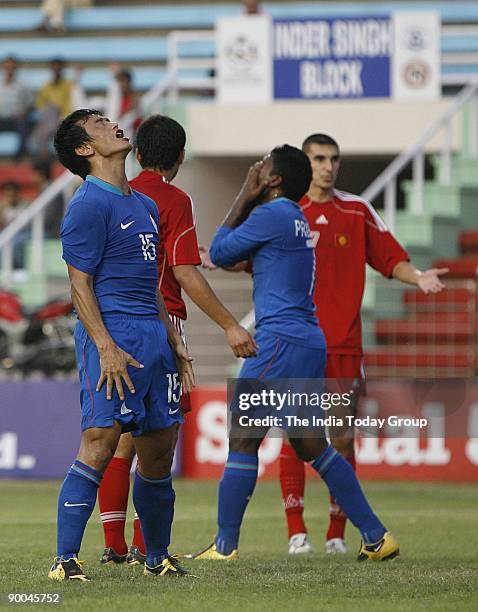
(294, 167)
(70, 135)
(10, 184)
(319, 139)
(125, 73)
(43, 167)
(160, 141)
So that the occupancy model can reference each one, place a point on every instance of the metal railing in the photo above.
(386, 182)
(173, 82)
(179, 60)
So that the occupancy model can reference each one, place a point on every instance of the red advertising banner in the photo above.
(441, 457)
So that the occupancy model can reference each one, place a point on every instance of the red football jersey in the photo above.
(348, 233)
(177, 235)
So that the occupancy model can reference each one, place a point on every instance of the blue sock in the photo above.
(235, 490)
(343, 485)
(75, 504)
(154, 503)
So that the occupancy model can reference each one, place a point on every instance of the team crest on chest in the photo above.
(342, 240)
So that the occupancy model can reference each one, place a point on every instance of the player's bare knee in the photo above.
(125, 448)
(345, 446)
(309, 449)
(248, 446)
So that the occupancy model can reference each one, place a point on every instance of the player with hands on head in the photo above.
(291, 345)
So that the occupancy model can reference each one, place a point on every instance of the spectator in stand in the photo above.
(11, 206)
(251, 7)
(11, 202)
(54, 14)
(43, 177)
(55, 100)
(122, 99)
(16, 102)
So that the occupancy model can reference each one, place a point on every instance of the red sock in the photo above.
(292, 482)
(337, 518)
(138, 539)
(113, 500)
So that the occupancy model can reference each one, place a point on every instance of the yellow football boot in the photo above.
(211, 554)
(387, 548)
(67, 569)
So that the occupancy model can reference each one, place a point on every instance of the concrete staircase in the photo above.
(411, 334)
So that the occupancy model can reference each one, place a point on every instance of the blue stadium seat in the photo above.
(204, 16)
(97, 48)
(8, 143)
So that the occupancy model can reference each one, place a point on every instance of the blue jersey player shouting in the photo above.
(290, 345)
(131, 360)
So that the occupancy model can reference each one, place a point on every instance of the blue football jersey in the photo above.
(276, 236)
(114, 238)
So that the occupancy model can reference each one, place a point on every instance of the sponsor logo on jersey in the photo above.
(321, 220)
(126, 225)
(342, 240)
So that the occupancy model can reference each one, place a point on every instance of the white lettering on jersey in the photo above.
(302, 228)
(312, 242)
(148, 247)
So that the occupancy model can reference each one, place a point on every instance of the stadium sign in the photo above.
(332, 58)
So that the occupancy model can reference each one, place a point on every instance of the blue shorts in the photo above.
(278, 358)
(155, 405)
(290, 370)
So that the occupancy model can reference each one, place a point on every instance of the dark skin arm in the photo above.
(113, 360)
(200, 292)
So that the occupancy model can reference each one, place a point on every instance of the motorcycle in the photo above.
(40, 340)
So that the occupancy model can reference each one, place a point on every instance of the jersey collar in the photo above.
(104, 185)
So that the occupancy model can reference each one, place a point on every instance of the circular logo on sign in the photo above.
(416, 74)
(416, 39)
(242, 53)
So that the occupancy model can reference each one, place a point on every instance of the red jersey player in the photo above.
(160, 151)
(348, 234)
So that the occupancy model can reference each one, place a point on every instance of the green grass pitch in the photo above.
(436, 524)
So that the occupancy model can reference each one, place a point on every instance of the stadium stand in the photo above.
(440, 336)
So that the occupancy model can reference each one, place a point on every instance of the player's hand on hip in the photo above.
(185, 368)
(114, 363)
(429, 281)
(241, 341)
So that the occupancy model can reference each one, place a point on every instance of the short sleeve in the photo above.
(384, 252)
(179, 233)
(83, 236)
(230, 246)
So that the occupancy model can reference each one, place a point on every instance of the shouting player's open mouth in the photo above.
(120, 134)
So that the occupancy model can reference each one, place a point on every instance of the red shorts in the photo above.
(349, 373)
(344, 366)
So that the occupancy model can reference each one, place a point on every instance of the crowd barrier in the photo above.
(40, 424)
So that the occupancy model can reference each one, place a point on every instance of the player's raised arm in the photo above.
(113, 360)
